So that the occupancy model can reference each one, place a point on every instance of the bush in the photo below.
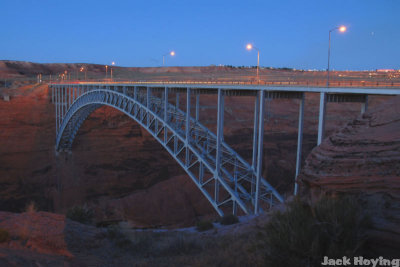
(4, 235)
(80, 214)
(31, 207)
(204, 226)
(229, 219)
(304, 234)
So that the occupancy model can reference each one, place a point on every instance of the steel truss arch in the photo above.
(227, 188)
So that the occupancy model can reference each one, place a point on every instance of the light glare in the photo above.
(342, 28)
(172, 53)
(249, 47)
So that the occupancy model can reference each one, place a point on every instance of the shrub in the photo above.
(31, 207)
(4, 235)
(204, 226)
(304, 233)
(80, 214)
(229, 219)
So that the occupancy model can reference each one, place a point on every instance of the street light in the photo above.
(172, 53)
(250, 47)
(341, 29)
(112, 64)
(83, 69)
(106, 71)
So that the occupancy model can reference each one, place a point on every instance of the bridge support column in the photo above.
(135, 97)
(148, 104)
(69, 96)
(260, 150)
(62, 103)
(197, 107)
(255, 132)
(59, 93)
(322, 114)
(187, 126)
(165, 114)
(299, 142)
(56, 106)
(177, 100)
(364, 106)
(220, 134)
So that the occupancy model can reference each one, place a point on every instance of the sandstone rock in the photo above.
(363, 158)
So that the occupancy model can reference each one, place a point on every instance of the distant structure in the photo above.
(385, 70)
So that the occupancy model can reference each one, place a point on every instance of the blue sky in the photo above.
(289, 33)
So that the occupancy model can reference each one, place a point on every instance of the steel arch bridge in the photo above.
(228, 181)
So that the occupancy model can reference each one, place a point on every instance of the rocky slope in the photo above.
(363, 158)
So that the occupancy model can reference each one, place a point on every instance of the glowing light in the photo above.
(113, 63)
(249, 46)
(172, 53)
(342, 28)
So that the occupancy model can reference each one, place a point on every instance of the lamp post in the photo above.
(172, 53)
(112, 64)
(341, 29)
(250, 47)
(83, 69)
(106, 71)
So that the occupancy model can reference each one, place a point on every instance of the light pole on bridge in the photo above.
(111, 72)
(250, 47)
(341, 29)
(172, 53)
(322, 100)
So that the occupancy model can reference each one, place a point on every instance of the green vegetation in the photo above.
(204, 226)
(229, 219)
(4, 235)
(304, 233)
(80, 214)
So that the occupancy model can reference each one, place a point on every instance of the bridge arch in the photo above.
(226, 188)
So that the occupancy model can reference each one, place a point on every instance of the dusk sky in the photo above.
(288, 33)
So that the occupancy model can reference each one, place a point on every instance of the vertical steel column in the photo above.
(148, 104)
(187, 127)
(255, 131)
(299, 142)
(69, 96)
(135, 97)
(260, 149)
(124, 90)
(197, 107)
(52, 94)
(364, 106)
(220, 134)
(73, 93)
(56, 105)
(62, 103)
(177, 100)
(322, 114)
(165, 114)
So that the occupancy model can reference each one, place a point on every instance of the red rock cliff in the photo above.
(363, 158)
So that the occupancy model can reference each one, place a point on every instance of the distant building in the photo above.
(385, 70)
